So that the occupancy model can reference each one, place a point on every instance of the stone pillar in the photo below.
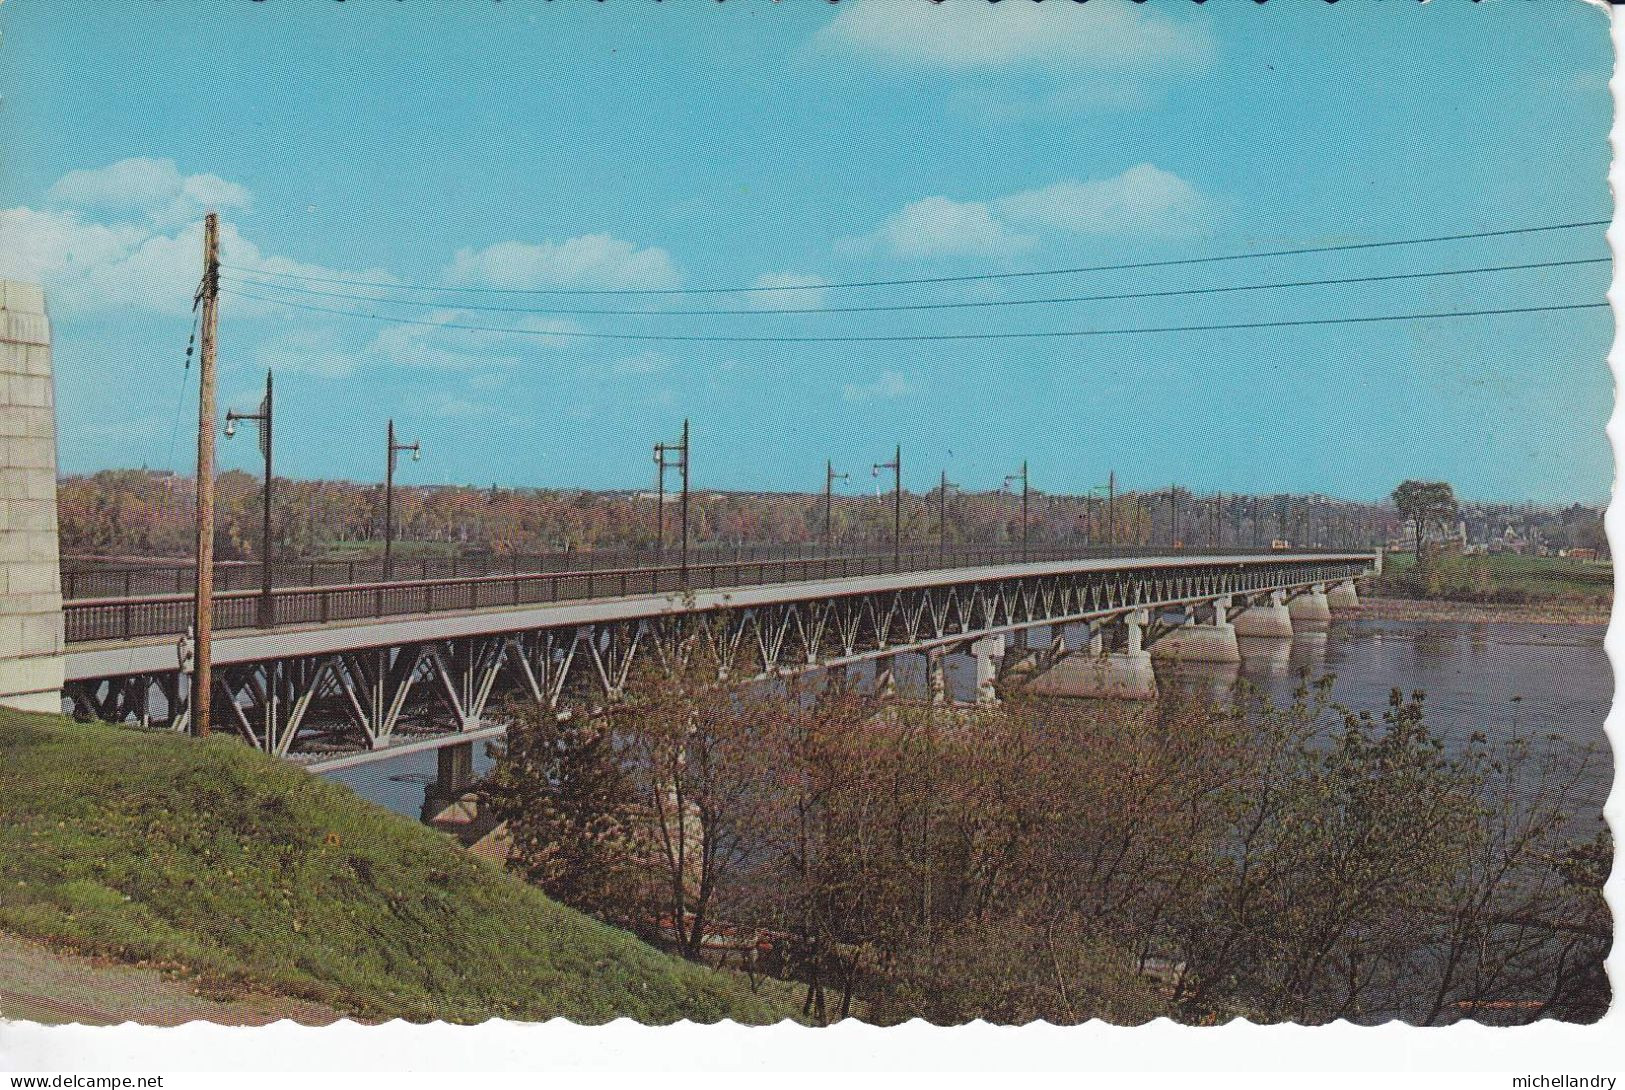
(1117, 675)
(1192, 642)
(1310, 607)
(31, 664)
(987, 652)
(1269, 618)
(936, 673)
(1343, 595)
(450, 798)
(886, 676)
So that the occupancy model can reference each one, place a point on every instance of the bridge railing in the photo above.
(144, 617)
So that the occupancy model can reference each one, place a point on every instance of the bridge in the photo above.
(336, 668)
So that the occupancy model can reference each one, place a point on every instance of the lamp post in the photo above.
(267, 606)
(896, 466)
(389, 496)
(830, 477)
(942, 514)
(1022, 477)
(663, 462)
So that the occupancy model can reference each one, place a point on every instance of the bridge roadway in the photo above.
(364, 688)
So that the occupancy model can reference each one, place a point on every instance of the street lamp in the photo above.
(267, 615)
(896, 466)
(663, 462)
(942, 514)
(1022, 477)
(830, 477)
(389, 496)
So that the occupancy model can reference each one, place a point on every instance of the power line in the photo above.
(1342, 247)
(893, 307)
(915, 337)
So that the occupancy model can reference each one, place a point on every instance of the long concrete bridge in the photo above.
(351, 672)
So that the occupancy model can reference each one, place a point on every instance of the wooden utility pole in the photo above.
(203, 601)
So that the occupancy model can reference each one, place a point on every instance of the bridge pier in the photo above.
(1100, 674)
(31, 636)
(1343, 595)
(1310, 609)
(1270, 618)
(886, 676)
(988, 652)
(449, 797)
(1196, 642)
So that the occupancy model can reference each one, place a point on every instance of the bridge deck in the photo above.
(156, 654)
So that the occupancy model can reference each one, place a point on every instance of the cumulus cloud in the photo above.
(439, 347)
(1106, 34)
(886, 386)
(152, 187)
(1142, 200)
(941, 227)
(586, 261)
(803, 291)
(310, 351)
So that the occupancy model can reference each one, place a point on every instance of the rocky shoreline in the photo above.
(1434, 609)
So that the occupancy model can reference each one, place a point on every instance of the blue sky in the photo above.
(633, 145)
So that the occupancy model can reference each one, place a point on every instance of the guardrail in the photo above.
(145, 617)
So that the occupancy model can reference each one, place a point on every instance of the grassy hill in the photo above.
(1504, 578)
(244, 872)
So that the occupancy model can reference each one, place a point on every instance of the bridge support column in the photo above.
(1269, 618)
(1097, 674)
(1310, 608)
(987, 652)
(1343, 595)
(936, 673)
(31, 660)
(449, 797)
(1194, 642)
(886, 676)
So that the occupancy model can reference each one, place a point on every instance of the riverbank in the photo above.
(252, 885)
(1440, 609)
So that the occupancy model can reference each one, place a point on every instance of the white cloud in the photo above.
(886, 386)
(310, 351)
(1143, 199)
(806, 293)
(941, 227)
(154, 187)
(644, 363)
(440, 348)
(967, 34)
(587, 261)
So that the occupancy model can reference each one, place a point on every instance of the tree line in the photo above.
(1067, 861)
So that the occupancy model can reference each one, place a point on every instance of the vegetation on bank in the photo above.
(1499, 579)
(1074, 860)
(244, 872)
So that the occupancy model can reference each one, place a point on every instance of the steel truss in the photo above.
(317, 706)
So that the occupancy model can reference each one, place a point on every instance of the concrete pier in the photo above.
(1343, 595)
(1268, 618)
(31, 637)
(1197, 642)
(1310, 609)
(1098, 675)
(987, 651)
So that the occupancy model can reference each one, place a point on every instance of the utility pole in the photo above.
(683, 507)
(830, 477)
(203, 600)
(267, 608)
(1022, 476)
(389, 497)
(942, 514)
(1173, 516)
(1111, 507)
(662, 453)
(1218, 521)
(896, 466)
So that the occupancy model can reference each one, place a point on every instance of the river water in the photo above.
(1502, 678)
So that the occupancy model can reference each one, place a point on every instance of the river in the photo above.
(1498, 678)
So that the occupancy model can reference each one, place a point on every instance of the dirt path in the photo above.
(39, 984)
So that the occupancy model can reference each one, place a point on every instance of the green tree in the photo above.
(1425, 502)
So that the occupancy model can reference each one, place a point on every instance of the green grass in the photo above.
(1503, 577)
(213, 859)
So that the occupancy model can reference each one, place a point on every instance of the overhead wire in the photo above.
(963, 278)
(956, 305)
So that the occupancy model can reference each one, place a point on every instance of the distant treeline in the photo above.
(141, 513)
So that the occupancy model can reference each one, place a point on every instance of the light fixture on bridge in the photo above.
(267, 606)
